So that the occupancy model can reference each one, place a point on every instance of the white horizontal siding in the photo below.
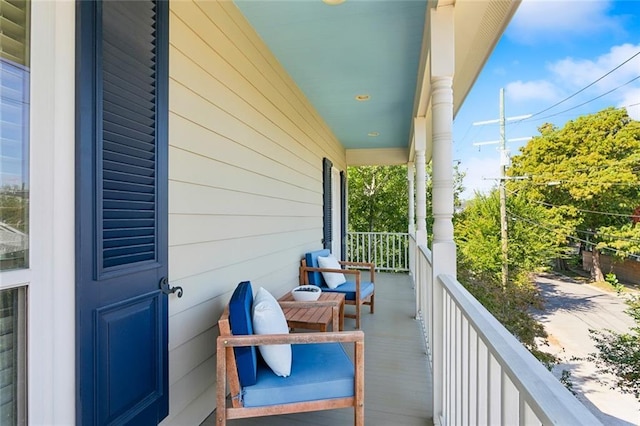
(206, 142)
(190, 229)
(194, 169)
(245, 184)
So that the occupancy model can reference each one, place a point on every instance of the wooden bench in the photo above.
(339, 383)
(357, 292)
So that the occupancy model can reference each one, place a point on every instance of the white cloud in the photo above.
(481, 174)
(552, 20)
(617, 88)
(541, 90)
(631, 100)
(581, 72)
(570, 75)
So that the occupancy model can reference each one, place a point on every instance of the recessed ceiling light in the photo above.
(373, 134)
(362, 98)
(333, 2)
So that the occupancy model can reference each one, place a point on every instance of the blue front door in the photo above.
(121, 212)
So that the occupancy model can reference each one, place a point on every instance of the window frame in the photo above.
(18, 34)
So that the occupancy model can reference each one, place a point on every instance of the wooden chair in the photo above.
(339, 383)
(357, 291)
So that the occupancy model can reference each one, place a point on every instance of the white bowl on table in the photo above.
(306, 293)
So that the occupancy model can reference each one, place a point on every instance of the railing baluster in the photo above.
(510, 401)
(473, 376)
(389, 251)
(394, 251)
(483, 375)
(464, 370)
(483, 383)
(457, 356)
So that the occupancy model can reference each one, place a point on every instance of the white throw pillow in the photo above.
(333, 279)
(268, 318)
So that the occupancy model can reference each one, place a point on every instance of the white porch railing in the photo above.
(389, 251)
(487, 376)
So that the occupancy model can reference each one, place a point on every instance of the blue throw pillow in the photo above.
(241, 324)
(315, 278)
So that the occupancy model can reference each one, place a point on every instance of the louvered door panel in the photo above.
(121, 212)
(128, 120)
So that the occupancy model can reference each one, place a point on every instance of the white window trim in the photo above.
(51, 277)
(14, 278)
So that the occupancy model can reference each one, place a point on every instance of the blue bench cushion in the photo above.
(311, 258)
(307, 382)
(241, 324)
(349, 289)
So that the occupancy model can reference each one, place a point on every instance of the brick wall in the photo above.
(627, 271)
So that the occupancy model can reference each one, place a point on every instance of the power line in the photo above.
(465, 133)
(631, 240)
(540, 119)
(569, 236)
(575, 182)
(589, 101)
(564, 231)
(635, 168)
(561, 181)
(629, 216)
(584, 88)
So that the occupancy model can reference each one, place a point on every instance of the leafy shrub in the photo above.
(619, 353)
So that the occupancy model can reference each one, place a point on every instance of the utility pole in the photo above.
(504, 163)
(503, 195)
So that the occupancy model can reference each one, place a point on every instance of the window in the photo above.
(12, 356)
(14, 134)
(14, 205)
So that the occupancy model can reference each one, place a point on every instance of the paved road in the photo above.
(571, 309)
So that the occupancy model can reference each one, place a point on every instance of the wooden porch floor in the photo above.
(397, 376)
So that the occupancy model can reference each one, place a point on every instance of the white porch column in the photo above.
(443, 249)
(442, 68)
(411, 177)
(442, 102)
(420, 135)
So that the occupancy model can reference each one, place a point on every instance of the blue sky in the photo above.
(550, 50)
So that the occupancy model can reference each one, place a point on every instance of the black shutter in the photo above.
(326, 203)
(127, 181)
(343, 214)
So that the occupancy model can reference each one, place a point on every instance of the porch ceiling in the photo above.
(376, 48)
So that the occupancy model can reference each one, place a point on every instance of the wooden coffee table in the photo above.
(316, 315)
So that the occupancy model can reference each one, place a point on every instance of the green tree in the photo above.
(379, 202)
(587, 168)
(378, 199)
(530, 249)
(458, 189)
(619, 353)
